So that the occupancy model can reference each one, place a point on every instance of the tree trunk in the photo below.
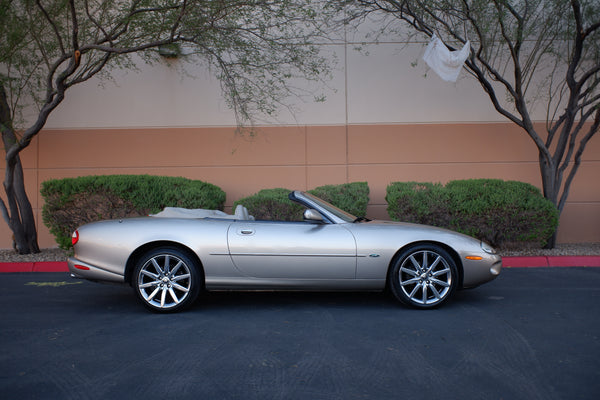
(17, 211)
(551, 186)
(551, 243)
(19, 215)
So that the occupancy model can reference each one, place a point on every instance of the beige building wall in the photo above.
(304, 157)
(384, 120)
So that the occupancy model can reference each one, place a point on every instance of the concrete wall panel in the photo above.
(304, 157)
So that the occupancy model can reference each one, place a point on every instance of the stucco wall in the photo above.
(303, 157)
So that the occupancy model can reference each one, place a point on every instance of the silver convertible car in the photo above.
(169, 258)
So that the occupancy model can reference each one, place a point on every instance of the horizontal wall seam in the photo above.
(299, 165)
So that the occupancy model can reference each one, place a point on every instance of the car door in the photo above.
(292, 250)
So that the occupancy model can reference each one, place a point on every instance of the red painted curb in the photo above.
(581, 261)
(16, 267)
(522, 262)
(50, 266)
(551, 261)
(40, 266)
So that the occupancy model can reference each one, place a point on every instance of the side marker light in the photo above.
(474, 258)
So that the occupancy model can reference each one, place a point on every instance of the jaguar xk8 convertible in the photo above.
(169, 258)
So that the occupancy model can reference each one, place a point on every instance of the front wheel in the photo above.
(423, 276)
(166, 280)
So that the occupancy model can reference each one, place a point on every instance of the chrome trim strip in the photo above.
(289, 255)
(292, 255)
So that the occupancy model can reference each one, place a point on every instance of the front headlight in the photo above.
(487, 248)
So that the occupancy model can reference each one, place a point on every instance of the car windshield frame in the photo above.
(330, 208)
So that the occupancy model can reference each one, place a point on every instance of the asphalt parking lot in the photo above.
(531, 334)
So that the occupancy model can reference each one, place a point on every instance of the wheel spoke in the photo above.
(415, 289)
(424, 298)
(437, 294)
(179, 277)
(156, 266)
(441, 272)
(434, 264)
(415, 263)
(176, 268)
(409, 271)
(153, 294)
(173, 296)
(410, 281)
(441, 283)
(425, 263)
(163, 297)
(148, 284)
(150, 274)
(167, 266)
(180, 288)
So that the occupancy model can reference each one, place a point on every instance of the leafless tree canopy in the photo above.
(524, 53)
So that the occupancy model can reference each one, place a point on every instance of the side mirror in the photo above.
(312, 215)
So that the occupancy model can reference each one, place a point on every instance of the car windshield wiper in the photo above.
(362, 219)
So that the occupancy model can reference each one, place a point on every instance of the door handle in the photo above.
(246, 231)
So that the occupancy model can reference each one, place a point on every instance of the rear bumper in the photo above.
(80, 269)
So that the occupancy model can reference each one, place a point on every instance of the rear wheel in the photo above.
(166, 280)
(423, 276)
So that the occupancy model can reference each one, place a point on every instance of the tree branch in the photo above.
(53, 25)
(577, 159)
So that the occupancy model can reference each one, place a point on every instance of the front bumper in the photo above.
(478, 272)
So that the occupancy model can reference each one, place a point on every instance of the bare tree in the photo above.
(524, 53)
(255, 47)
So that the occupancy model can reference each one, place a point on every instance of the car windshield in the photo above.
(332, 209)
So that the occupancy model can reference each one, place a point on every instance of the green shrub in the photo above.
(422, 203)
(350, 197)
(72, 202)
(503, 213)
(274, 204)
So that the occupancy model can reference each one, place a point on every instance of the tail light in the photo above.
(75, 238)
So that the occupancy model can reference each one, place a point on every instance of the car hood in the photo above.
(404, 224)
(411, 226)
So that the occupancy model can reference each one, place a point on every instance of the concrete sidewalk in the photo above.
(507, 262)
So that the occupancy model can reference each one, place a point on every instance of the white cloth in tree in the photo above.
(447, 64)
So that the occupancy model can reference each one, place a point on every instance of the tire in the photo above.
(166, 279)
(423, 276)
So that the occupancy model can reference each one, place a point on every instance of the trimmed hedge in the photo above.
(350, 197)
(503, 213)
(274, 204)
(72, 202)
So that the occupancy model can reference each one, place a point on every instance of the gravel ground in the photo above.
(566, 249)
(571, 249)
(54, 254)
